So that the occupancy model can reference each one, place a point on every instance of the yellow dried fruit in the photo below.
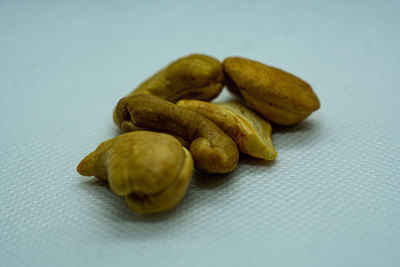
(151, 170)
(250, 132)
(277, 95)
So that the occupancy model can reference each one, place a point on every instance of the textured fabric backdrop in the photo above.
(332, 197)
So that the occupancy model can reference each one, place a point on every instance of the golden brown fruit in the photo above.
(213, 151)
(194, 77)
(151, 170)
(250, 132)
(277, 95)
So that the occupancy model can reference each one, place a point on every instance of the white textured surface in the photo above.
(332, 198)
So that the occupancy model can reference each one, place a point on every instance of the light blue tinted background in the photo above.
(332, 198)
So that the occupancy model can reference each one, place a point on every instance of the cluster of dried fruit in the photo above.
(169, 115)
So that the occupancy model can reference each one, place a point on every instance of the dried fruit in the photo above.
(151, 170)
(213, 151)
(277, 95)
(250, 132)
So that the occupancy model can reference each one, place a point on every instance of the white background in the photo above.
(332, 197)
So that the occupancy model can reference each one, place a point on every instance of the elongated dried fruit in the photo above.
(250, 132)
(151, 170)
(277, 95)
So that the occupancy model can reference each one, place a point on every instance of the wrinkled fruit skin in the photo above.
(212, 150)
(277, 95)
(250, 132)
(150, 170)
